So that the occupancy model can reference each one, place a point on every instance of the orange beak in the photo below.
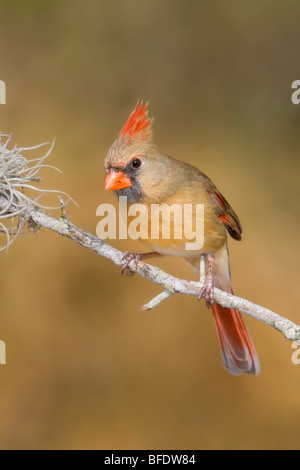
(117, 180)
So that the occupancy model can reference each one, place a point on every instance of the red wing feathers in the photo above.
(227, 215)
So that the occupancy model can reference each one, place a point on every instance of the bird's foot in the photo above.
(137, 257)
(126, 260)
(208, 289)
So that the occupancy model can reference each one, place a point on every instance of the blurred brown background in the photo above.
(86, 368)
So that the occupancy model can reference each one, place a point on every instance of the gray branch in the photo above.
(18, 173)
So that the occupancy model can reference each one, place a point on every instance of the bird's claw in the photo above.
(126, 260)
(207, 291)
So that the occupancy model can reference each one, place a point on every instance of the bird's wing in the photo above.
(221, 207)
(226, 214)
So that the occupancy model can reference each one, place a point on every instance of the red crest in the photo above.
(138, 123)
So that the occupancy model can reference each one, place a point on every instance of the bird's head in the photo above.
(133, 165)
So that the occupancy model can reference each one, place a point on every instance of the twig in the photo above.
(157, 300)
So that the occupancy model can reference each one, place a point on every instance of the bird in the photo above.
(136, 168)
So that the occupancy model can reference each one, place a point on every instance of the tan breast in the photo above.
(167, 228)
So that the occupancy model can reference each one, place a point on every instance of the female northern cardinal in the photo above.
(137, 169)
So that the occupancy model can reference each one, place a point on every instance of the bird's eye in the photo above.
(136, 163)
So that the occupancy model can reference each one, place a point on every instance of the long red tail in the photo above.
(237, 349)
